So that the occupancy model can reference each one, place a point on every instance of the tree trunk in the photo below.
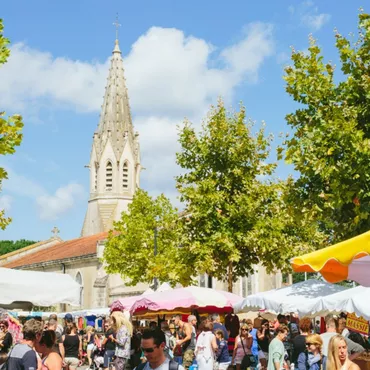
(230, 278)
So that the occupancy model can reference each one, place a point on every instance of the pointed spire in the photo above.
(116, 47)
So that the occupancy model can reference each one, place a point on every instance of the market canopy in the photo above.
(189, 298)
(348, 260)
(21, 288)
(298, 298)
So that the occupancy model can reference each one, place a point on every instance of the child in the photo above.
(222, 356)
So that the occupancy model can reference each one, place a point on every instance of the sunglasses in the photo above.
(308, 344)
(244, 329)
(149, 350)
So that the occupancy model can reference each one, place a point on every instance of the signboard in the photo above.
(357, 324)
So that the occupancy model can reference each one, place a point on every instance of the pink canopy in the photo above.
(124, 304)
(202, 299)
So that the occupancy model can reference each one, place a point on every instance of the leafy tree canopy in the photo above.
(7, 246)
(10, 128)
(330, 146)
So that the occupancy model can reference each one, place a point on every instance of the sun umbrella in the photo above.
(202, 299)
(300, 298)
(348, 260)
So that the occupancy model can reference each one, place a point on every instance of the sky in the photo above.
(179, 58)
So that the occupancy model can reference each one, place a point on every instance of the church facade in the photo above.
(114, 177)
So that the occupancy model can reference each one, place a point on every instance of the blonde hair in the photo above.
(316, 340)
(119, 319)
(333, 362)
(89, 329)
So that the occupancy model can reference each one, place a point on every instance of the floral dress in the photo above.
(123, 347)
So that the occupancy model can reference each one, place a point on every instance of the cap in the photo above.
(68, 316)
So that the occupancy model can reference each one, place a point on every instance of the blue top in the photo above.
(223, 352)
(255, 342)
(307, 361)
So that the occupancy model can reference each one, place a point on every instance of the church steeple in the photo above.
(115, 156)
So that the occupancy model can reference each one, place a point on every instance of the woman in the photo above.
(338, 355)
(264, 339)
(7, 340)
(50, 360)
(90, 341)
(299, 342)
(206, 347)
(72, 347)
(123, 329)
(312, 359)
(243, 345)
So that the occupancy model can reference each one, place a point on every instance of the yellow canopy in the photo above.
(334, 262)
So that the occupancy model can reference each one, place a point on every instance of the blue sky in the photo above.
(179, 57)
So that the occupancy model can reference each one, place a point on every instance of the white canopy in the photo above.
(355, 300)
(19, 288)
(298, 298)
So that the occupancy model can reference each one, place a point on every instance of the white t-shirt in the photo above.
(165, 366)
(326, 339)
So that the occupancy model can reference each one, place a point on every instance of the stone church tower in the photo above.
(115, 155)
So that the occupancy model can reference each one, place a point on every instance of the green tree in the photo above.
(10, 128)
(129, 250)
(330, 145)
(236, 219)
(7, 246)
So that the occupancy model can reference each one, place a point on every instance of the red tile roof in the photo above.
(69, 249)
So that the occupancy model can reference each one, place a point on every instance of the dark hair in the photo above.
(305, 324)
(220, 333)
(207, 326)
(156, 334)
(31, 328)
(48, 338)
(5, 323)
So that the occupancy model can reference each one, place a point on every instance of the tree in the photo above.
(10, 128)
(130, 248)
(330, 146)
(236, 219)
(7, 246)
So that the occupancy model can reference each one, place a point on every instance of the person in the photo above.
(51, 360)
(7, 340)
(153, 342)
(187, 338)
(72, 344)
(338, 358)
(354, 349)
(264, 338)
(342, 329)
(90, 340)
(58, 345)
(22, 356)
(242, 347)
(253, 333)
(206, 347)
(317, 327)
(170, 339)
(59, 329)
(222, 355)
(217, 325)
(299, 342)
(123, 329)
(277, 349)
(312, 359)
(108, 344)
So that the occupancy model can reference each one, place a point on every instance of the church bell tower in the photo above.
(115, 155)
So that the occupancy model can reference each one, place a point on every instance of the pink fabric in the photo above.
(202, 299)
(123, 304)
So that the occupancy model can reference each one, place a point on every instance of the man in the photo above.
(22, 356)
(59, 328)
(277, 350)
(58, 347)
(153, 343)
(187, 341)
(108, 344)
(216, 320)
(354, 349)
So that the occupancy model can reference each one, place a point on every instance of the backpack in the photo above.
(173, 365)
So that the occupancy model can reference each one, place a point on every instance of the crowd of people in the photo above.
(177, 344)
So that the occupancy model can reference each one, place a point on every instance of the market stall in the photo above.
(348, 260)
(23, 289)
(300, 298)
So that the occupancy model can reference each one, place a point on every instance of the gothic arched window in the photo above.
(80, 282)
(79, 278)
(125, 176)
(109, 176)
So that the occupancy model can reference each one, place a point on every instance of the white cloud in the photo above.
(51, 207)
(169, 76)
(309, 15)
(6, 202)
